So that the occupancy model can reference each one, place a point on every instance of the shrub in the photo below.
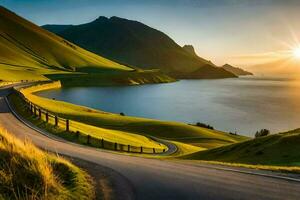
(262, 132)
(122, 114)
(203, 125)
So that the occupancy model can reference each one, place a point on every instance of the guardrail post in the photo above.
(56, 120)
(40, 113)
(102, 143)
(164, 150)
(141, 149)
(115, 146)
(153, 150)
(128, 149)
(47, 117)
(88, 139)
(34, 108)
(77, 134)
(67, 125)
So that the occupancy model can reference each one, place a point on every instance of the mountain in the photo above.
(29, 52)
(235, 70)
(136, 44)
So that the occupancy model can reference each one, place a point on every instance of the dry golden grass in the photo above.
(5, 83)
(29, 173)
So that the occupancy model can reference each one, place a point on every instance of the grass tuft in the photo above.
(29, 173)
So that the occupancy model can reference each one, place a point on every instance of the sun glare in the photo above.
(296, 52)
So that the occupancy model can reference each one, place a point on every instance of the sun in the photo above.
(296, 52)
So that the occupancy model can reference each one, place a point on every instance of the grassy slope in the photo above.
(28, 52)
(28, 173)
(11, 73)
(25, 44)
(277, 149)
(173, 131)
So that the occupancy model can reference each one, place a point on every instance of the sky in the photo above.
(223, 31)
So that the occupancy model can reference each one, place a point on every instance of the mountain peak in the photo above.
(101, 18)
(190, 49)
(227, 65)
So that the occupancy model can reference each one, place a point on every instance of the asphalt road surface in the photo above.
(160, 179)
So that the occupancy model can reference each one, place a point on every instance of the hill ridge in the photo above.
(21, 38)
(236, 70)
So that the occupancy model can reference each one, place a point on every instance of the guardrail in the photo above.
(5, 83)
(70, 128)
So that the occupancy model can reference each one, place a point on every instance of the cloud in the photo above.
(260, 58)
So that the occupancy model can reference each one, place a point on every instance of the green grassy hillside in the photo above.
(133, 43)
(22, 43)
(28, 52)
(28, 173)
(276, 149)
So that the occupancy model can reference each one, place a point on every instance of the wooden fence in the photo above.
(74, 134)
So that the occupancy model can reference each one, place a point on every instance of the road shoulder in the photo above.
(109, 184)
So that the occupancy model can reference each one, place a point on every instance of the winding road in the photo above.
(165, 179)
